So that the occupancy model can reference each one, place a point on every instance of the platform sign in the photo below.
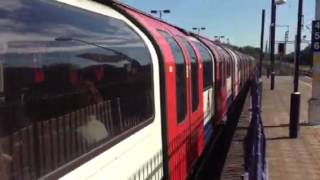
(316, 36)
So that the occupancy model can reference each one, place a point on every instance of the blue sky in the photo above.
(239, 20)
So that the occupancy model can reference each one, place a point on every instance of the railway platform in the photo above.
(293, 159)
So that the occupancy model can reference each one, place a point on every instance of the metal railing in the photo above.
(255, 142)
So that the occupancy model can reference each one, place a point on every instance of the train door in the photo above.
(235, 74)
(197, 136)
(224, 90)
(178, 96)
(231, 76)
(240, 71)
(228, 79)
(208, 89)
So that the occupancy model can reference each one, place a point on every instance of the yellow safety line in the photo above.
(316, 59)
(316, 78)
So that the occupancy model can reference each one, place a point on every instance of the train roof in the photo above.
(117, 3)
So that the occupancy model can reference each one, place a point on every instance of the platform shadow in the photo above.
(284, 125)
(278, 138)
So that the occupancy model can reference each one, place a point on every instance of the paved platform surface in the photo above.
(293, 159)
(234, 164)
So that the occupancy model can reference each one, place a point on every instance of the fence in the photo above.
(255, 143)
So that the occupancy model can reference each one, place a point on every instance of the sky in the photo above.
(238, 20)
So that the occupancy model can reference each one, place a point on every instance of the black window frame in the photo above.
(207, 65)
(194, 74)
(181, 113)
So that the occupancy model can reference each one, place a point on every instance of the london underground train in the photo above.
(99, 90)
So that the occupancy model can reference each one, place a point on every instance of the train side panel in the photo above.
(81, 92)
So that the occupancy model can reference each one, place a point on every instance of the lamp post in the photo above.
(165, 11)
(295, 95)
(198, 29)
(286, 35)
(274, 4)
(261, 42)
(272, 40)
(219, 38)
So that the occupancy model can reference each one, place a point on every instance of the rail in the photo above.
(255, 142)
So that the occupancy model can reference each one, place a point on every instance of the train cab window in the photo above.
(181, 86)
(207, 66)
(73, 80)
(194, 74)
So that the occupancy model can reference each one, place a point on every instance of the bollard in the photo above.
(294, 115)
(245, 176)
(273, 74)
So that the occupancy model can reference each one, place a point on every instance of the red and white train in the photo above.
(99, 90)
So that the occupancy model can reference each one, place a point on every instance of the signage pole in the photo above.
(261, 43)
(314, 102)
(272, 40)
(295, 96)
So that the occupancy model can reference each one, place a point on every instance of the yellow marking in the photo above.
(170, 69)
(316, 77)
(316, 59)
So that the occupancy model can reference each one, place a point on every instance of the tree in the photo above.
(306, 56)
(252, 51)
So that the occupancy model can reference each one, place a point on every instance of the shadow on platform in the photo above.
(284, 125)
(278, 138)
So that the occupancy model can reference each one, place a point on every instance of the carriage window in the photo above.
(207, 66)
(194, 74)
(72, 80)
(181, 87)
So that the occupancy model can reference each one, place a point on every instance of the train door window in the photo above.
(207, 66)
(223, 72)
(181, 86)
(194, 75)
(73, 80)
(229, 67)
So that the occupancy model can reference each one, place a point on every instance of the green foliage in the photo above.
(306, 56)
(252, 51)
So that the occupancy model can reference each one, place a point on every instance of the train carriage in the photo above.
(219, 85)
(92, 87)
(235, 74)
(80, 84)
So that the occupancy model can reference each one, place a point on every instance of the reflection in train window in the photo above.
(72, 80)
